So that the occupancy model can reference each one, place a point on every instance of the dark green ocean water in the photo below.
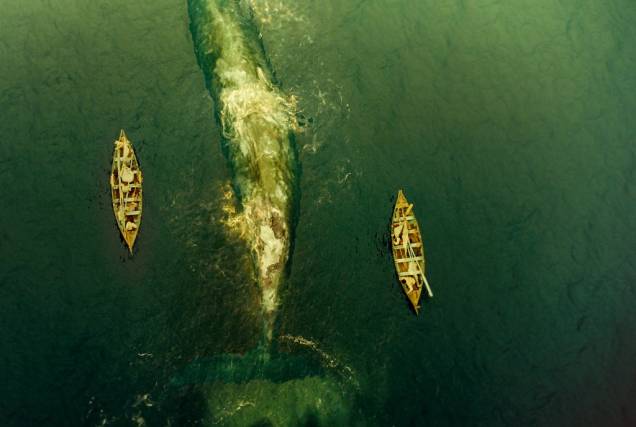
(510, 125)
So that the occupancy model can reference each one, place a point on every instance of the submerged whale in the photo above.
(257, 124)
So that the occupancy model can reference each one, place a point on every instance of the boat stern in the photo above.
(130, 242)
(414, 300)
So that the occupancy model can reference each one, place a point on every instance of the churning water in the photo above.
(273, 135)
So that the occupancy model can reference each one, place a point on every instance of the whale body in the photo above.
(257, 125)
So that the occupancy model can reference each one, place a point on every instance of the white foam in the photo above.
(329, 360)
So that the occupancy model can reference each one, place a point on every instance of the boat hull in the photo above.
(408, 251)
(126, 190)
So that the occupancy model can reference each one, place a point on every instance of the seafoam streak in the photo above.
(257, 123)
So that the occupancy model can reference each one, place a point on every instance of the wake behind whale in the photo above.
(257, 123)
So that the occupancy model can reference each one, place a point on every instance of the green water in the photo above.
(510, 125)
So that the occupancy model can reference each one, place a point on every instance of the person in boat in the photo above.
(402, 228)
(405, 233)
(127, 177)
(122, 149)
(397, 232)
(410, 283)
(126, 152)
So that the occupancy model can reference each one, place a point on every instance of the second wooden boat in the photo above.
(126, 189)
(408, 251)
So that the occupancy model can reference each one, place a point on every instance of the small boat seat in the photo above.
(116, 187)
(413, 245)
(417, 258)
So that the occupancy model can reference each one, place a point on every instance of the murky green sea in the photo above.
(511, 126)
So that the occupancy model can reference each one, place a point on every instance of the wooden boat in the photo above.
(408, 252)
(126, 190)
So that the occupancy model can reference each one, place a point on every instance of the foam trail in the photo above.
(257, 122)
